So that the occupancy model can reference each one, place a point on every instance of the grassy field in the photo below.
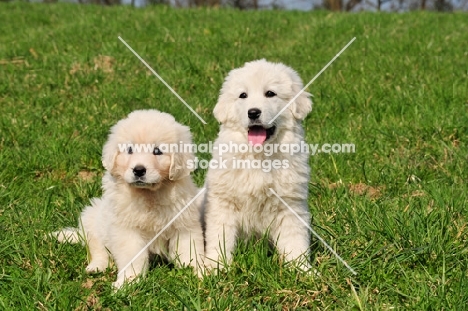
(396, 209)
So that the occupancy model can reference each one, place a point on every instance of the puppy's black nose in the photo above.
(254, 113)
(139, 171)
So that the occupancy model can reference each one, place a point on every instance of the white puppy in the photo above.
(239, 199)
(143, 189)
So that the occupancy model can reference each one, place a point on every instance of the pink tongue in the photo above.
(257, 135)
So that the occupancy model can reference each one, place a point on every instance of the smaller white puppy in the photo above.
(143, 190)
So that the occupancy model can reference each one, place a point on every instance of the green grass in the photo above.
(399, 93)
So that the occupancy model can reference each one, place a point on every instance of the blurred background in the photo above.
(303, 5)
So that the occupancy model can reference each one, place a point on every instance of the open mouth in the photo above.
(258, 134)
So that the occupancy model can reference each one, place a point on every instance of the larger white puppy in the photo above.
(144, 188)
(239, 195)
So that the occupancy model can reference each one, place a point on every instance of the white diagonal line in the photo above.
(161, 231)
(311, 81)
(162, 80)
(316, 234)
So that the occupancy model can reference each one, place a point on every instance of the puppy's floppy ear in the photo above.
(109, 153)
(179, 165)
(220, 111)
(302, 105)
(226, 98)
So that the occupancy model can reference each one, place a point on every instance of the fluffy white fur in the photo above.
(133, 209)
(239, 201)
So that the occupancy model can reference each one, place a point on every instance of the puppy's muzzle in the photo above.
(254, 113)
(139, 171)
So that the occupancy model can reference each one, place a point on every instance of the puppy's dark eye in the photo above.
(129, 150)
(270, 94)
(243, 95)
(156, 151)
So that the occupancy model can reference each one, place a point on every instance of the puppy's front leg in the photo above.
(292, 236)
(98, 253)
(221, 233)
(125, 245)
(187, 248)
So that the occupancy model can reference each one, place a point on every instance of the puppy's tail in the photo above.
(68, 235)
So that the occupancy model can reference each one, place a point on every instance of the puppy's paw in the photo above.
(96, 266)
(213, 267)
(199, 271)
(118, 284)
(209, 265)
(121, 281)
(306, 268)
(216, 263)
